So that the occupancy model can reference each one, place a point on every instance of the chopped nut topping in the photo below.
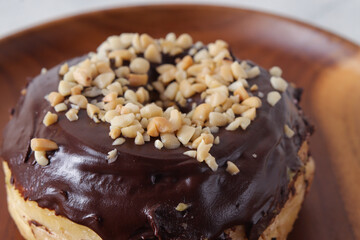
(110, 97)
(40, 157)
(206, 137)
(185, 133)
(112, 156)
(210, 161)
(238, 71)
(201, 113)
(103, 67)
(139, 140)
(104, 79)
(171, 90)
(217, 119)
(118, 141)
(253, 72)
(64, 69)
(238, 108)
(254, 88)
(71, 115)
(250, 114)
(158, 144)
(42, 144)
(139, 65)
(214, 129)
(184, 41)
(122, 72)
(50, 118)
(273, 97)
(115, 87)
(191, 153)
(275, 71)
(121, 54)
(253, 102)
(75, 106)
(146, 137)
(151, 110)
(60, 107)
(83, 76)
(130, 95)
(242, 93)
(159, 125)
(288, 131)
(79, 100)
(64, 87)
(185, 63)
(169, 140)
(76, 90)
(242, 122)
(55, 98)
(232, 168)
(122, 95)
(123, 120)
(203, 151)
(138, 79)
(152, 54)
(182, 207)
(115, 132)
(131, 131)
(278, 83)
(92, 110)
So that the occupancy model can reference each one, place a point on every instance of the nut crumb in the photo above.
(112, 156)
(158, 144)
(288, 131)
(50, 118)
(71, 115)
(139, 139)
(232, 168)
(190, 153)
(211, 162)
(278, 83)
(118, 141)
(60, 107)
(64, 69)
(182, 207)
(275, 71)
(217, 140)
(273, 97)
(42, 144)
(40, 157)
(254, 88)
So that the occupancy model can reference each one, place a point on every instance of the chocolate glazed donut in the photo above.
(135, 196)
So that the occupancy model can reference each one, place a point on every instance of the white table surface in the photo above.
(338, 16)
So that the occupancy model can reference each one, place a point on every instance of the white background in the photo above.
(339, 16)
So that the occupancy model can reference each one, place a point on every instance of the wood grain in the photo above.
(325, 65)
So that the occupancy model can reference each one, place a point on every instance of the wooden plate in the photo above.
(325, 65)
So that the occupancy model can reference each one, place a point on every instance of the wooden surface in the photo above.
(326, 66)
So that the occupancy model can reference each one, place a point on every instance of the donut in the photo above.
(157, 139)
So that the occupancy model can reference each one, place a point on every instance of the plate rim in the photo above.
(39, 27)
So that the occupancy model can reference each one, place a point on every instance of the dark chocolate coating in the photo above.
(135, 197)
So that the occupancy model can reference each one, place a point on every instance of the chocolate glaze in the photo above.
(135, 197)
